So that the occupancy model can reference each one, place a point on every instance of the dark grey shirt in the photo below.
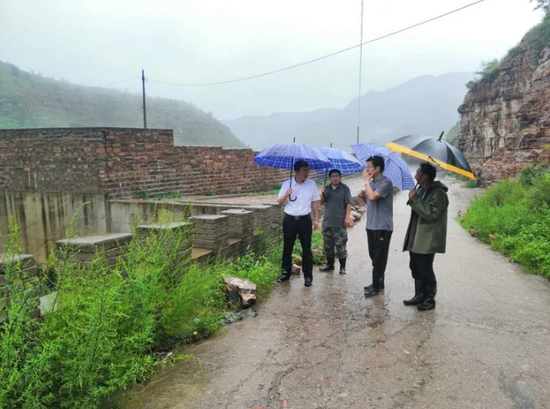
(380, 212)
(335, 206)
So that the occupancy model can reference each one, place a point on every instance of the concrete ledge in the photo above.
(98, 242)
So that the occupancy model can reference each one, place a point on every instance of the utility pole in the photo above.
(360, 74)
(144, 107)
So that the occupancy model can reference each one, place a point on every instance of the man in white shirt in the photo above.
(300, 196)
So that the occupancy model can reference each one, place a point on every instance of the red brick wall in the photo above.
(140, 161)
(225, 171)
(125, 163)
(51, 159)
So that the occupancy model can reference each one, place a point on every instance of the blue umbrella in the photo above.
(284, 155)
(343, 161)
(396, 169)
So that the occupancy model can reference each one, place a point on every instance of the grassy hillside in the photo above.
(30, 101)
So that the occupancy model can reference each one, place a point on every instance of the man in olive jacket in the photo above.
(426, 234)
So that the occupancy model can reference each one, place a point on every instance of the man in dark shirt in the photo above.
(337, 216)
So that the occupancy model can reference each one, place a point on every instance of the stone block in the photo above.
(241, 222)
(95, 243)
(208, 219)
(158, 227)
(21, 261)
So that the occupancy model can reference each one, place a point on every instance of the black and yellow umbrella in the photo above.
(433, 150)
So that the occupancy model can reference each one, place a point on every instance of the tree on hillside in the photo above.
(542, 4)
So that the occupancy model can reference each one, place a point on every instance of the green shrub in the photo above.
(530, 174)
(194, 308)
(263, 271)
(487, 219)
(105, 324)
(538, 37)
(540, 192)
(515, 218)
(531, 246)
(489, 70)
(505, 192)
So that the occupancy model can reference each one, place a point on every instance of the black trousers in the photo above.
(302, 227)
(379, 247)
(422, 270)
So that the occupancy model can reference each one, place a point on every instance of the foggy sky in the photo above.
(98, 42)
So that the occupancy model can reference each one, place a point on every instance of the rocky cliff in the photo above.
(505, 118)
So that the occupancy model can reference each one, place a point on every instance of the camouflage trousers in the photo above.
(335, 237)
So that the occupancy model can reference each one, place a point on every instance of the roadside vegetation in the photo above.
(514, 217)
(106, 328)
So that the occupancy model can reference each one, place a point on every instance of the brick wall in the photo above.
(140, 161)
(51, 159)
(225, 171)
(125, 162)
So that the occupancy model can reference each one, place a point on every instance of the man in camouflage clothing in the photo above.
(337, 216)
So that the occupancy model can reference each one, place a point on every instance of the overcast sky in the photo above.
(97, 42)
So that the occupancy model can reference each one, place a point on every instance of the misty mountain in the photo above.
(28, 100)
(426, 105)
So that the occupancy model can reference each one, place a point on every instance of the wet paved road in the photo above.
(486, 345)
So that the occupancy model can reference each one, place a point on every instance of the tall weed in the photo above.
(105, 325)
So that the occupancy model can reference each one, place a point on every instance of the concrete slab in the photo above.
(97, 239)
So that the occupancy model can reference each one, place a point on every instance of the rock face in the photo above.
(505, 123)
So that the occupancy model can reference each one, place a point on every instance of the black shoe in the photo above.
(328, 267)
(308, 282)
(283, 277)
(372, 292)
(419, 294)
(369, 287)
(417, 299)
(428, 304)
(342, 270)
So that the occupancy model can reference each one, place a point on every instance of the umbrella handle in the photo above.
(290, 184)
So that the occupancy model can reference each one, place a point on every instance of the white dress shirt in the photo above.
(304, 193)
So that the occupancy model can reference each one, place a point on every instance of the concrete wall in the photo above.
(43, 217)
(123, 213)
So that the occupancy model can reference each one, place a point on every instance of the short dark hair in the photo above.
(377, 161)
(429, 170)
(334, 171)
(300, 164)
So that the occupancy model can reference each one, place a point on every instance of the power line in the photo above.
(322, 57)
